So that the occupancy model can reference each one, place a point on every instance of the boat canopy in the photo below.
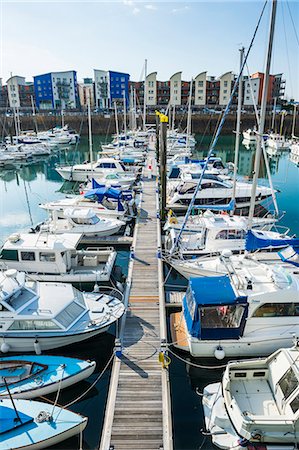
(258, 239)
(218, 296)
(229, 207)
(101, 192)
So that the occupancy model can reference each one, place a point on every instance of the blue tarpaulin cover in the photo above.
(290, 255)
(229, 207)
(203, 292)
(257, 239)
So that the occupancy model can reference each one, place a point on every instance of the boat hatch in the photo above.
(9, 419)
(212, 310)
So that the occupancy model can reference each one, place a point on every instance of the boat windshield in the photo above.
(227, 316)
(86, 221)
(69, 314)
(288, 383)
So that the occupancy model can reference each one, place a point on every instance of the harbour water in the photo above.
(23, 188)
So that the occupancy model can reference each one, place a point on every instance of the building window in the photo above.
(225, 83)
(122, 79)
(225, 91)
(200, 83)
(200, 91)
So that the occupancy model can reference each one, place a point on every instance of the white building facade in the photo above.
(13, 84)
(248, 91)
(225, 87)
(176, 89)
(102, 89)
(200, 89)
(151, 92)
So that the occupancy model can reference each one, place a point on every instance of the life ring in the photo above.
(173, 220)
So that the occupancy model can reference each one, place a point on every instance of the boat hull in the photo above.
(25, 343)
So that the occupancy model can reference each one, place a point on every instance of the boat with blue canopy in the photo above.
(251, 310)
(31, 376)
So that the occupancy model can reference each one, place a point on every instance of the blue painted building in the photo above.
(56, 90)
(118, 83)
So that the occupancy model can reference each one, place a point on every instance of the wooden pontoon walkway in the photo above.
(137, 411)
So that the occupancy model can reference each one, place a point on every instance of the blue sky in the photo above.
(39, 36)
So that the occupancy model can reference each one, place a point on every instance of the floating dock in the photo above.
(138, 407)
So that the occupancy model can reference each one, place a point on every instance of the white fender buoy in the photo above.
(219, 353)
(96, 288)
(5, 347)
(37, 348)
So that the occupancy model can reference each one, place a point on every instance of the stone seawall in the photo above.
(201, 124)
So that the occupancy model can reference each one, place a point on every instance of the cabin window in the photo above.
(227, 316)
(9, 255)
(277, 310)
(27, 256)
(107, 165)
(47, 257)
(231, 234)
(288, 383)
(190, 302)
(78, 296)
(295, 404)
(33, 325)
(67, 316)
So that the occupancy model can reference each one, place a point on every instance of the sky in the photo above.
(42, 36)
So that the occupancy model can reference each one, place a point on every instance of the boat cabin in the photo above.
(213, 310)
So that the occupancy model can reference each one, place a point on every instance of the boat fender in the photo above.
(219, 353)
(44, 416)
(37, 347)
(243, 442)
(173, 220)
(96, 288)
(5, 347)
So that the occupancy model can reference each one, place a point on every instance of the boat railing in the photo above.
(235, 278)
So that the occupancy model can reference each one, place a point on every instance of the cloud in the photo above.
(128, 2)
(136, 11)
(151, 7)
(179, 10)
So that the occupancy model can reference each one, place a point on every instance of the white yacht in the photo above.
(214, 189)
(106, 206)
(47, 257)
(247, 309)
(41, 316)
(98, 170)
(257, 403)
(249, 135)
(276, 141)
(212, 233)
(84, 221)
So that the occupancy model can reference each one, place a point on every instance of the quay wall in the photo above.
(201, 124)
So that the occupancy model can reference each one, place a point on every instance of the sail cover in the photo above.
(258, 239)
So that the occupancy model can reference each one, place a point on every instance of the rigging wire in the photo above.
(217, 134)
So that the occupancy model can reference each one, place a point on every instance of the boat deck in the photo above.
(136, 402)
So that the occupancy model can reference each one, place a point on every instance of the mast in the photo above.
(125, 118)
(62, 115)
(173, 117)
(189, 115)
(281, 123)
(262, 117)
(144, 93)
(273, 114)
(116, 123)
(294, 121)
(237, 141)
(33, 113)
(90, 136)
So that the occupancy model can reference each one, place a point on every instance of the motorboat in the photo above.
(250, 135)
(276, 141)
(214, 189)
(210, 234)
(84, 221)
(256, 404)
(33, 425)
(31, 376)
(246, 309)
(106, 202)
(98, 170)
(48, 257)
(40, 316)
